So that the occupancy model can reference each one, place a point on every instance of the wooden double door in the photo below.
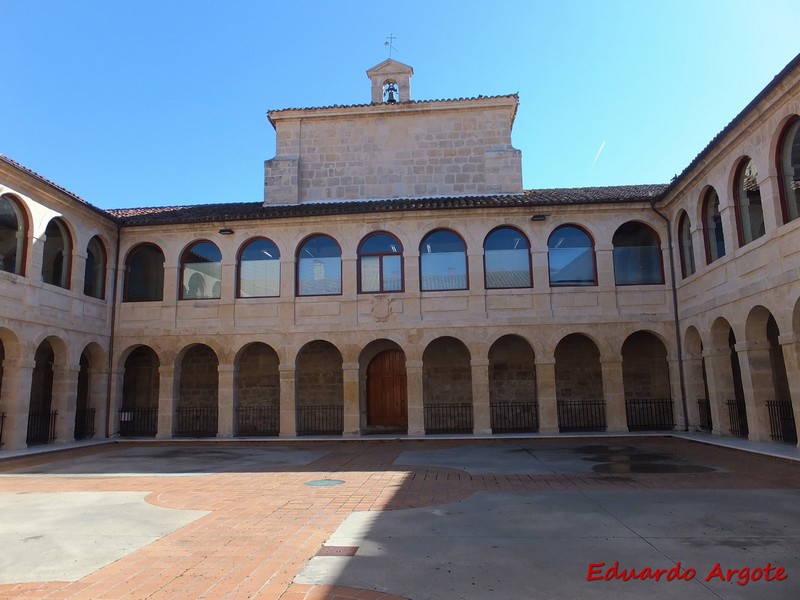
(387, 405)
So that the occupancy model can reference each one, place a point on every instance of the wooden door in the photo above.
(386, 390)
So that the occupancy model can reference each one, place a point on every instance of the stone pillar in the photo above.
(98, 389)
(546, 395)
(614, 394)
(791, 357)
(64, 401)
(416, 410)
(695, 390)
(15, 402)
(226, 401)
(481, 415)
(167, 399)
(352, 405)
(605, 265)
(115, 401)
(288, 418)
(758, 387)
(720, 388)
(673, 364)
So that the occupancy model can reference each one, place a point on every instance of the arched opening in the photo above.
(56, 257)
(447, 387)
(144, 274)
(41, 417)
(685, 245)
(579, 385)
(779, 408)
(570, 257)
(747, 197)
(139, 413)
(637, 255)
(713, 235)
(201, 271)
(737, 410)
(697, 379)
(320, 390)
(387, 405)
(13, 231)
(789, 170)
(319, 267)
(258, 390)
(443, 262)
(645, 376)
(94, 279)
(507, 259)
(380, 264)
(259, 272)
(84, 412)
(196, 409)
(512, 386)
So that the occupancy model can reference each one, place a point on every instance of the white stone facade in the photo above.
(542, 345)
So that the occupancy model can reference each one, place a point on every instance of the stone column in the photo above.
(614, 394)
(791, 357)
(695, 390)
(414, 391)
(288, 418)
(226, 401)
(481, 415)
(64, 401)
(115, 401)
(720, 388)
(98, 390)
(756, 366)
(167, 399)
(15, 401)
(352, 405)
(546, 395)
(681, 419)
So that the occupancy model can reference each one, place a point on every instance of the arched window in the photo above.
(685, 245)
(712, 227)
(13, 230)
(507, 259)
(94, 279)
(747, 196)
(637, 255)
(201, 271)
(144, 274)
(443, 262)
(259, 269)
(380, 264)
(319, 267)
(57, 250)
(570, 254)
(789, 170)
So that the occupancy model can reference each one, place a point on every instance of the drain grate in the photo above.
(338, 551)
(324, 482)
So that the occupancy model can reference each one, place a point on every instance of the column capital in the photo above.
(352, 366)
(414, 364)
(479, 362)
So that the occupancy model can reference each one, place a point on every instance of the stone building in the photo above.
(397, 278)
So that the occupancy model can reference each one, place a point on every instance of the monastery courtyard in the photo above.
(445, 518)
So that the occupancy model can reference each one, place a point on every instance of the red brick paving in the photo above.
(263, 527)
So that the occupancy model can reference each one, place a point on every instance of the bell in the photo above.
(391, 91)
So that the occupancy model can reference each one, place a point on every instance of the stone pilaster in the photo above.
(226, 400)
(481, 416)
(64, 401)
(167, 392)
(288, 418)
(352, 406)
(546, 395)
(15, 401)
(416, 410)
(614, 394)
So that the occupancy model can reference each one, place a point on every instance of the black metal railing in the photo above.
(2, 423)
(737, 413)
(649, 414)
(514, 417)
(257, 420)
(138, 421)
(84, 424)
(195, 421)
(448, 418)
(704, 409)
(781, 421)
(326, 419)
(581, 415)
(41, 427)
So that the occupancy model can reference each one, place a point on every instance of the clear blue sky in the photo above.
(148, 103)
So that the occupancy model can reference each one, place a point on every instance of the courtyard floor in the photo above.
(420, 519)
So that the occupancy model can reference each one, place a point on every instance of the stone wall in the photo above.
(258, 382)
(447, 374)
(578, 372)
(199, 380)
(140, 384)
(512, 371)
(319, 375)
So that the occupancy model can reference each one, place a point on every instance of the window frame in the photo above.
(466, 261)
(710, 192)
(595, 281)
(239, 254)
(297, 282)
(103, 258)
(656, 238)
(23, 229)
(66, 251)
(360, 254)
(782, 175)
(182, 266)
(530, 262)
(683, 252)
(741, 166)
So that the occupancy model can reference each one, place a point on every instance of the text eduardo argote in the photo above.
(740, 575)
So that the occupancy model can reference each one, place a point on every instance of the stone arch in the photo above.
(512, 385)
(319, 389)
(728, 400)
(579, 384)
(645, 378)
(57, 253)
(382, 387)
(447, 386)
(196, 408)
(257, 390)
(699, 407)
(140, 390)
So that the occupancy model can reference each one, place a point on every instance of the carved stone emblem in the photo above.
(381, 308)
